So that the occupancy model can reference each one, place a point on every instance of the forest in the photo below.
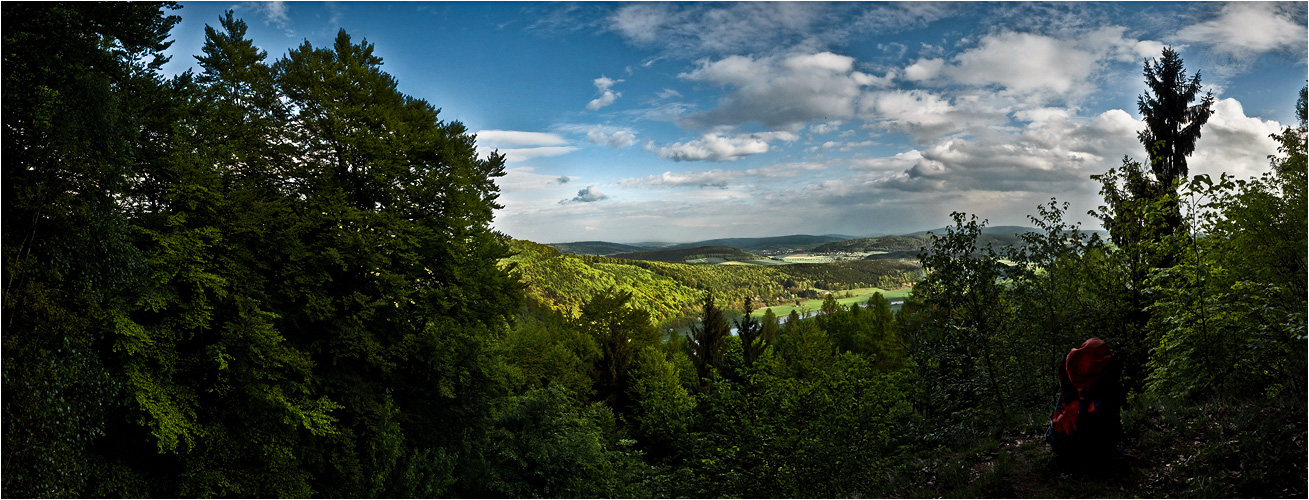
(279, 278)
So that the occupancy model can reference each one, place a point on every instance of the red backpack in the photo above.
(1085, 416)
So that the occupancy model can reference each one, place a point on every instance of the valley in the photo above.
(784, 273)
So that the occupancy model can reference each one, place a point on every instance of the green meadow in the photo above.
(856, 296)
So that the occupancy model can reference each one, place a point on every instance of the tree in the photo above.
(393, 285)
(751, 331)
(71, 124)
(1229, 317)
(1172, 122)
(620, 331)
(961, 341)
(707, 339)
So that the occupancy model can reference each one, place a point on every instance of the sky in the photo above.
(677, 122)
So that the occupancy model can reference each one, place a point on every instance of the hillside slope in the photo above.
(690, 254)
(672, 291)
(596, 247)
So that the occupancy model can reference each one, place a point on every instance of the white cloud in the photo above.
(1025, 63)
(616, 139)
(588, 195)
(514, 155)
(1247, 29)
(826, 128)
(692, 30)
(669, 94)
(1233, 142)
(605, 83)
(605, 99)
(901, 161)
(781, 92)
(518, 146)
(511, 138)
(1112, 42)
(721, 178)
(716, 147)
(925, 115)
(607, 96)
(274, 13)
(923, 69)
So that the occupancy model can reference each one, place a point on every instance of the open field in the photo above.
(858, 295)
(756, 262)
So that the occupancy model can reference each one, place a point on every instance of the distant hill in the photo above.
(596, 248)
(769, 244)
(874, 244)
(908, 245)
(687, 254)
(996, 230)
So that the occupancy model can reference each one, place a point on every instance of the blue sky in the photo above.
(688, 121)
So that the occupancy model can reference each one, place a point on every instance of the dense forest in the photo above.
(278, 278)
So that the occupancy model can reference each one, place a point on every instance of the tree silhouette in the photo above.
(1172, 122)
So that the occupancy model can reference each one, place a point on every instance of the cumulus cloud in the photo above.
(781, 92)
(923, 69)
(607, 96)
(1024, 63)
(1247, 29)
(588, 195)
(616, 139)
(925, 115)
(1054, 152)
(1030, 67)
(1234, 143)
(563, 179)
(716, 147)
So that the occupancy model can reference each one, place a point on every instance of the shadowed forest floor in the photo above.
(1211, 450)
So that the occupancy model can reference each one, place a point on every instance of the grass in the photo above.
(858, 296)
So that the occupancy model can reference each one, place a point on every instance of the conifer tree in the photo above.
(1172, 122)
(706, 344)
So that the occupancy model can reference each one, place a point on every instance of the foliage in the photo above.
(1172, 122)
(959, 339)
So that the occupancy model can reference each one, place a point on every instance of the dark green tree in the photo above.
(71, 124)
(751, 331)
(1172, 122)
(960, 343)
(706, 343)
(394, 286)
(620, 331)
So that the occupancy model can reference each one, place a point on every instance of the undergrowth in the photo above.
(1219, 448)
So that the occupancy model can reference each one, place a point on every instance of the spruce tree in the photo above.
(1172, 122)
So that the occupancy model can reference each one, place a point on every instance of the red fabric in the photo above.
(1085, 364)
(1065, 418)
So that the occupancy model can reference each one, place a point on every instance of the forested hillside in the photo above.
(671, 292)
(720, 253)
(278, 278)
(875, 244)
